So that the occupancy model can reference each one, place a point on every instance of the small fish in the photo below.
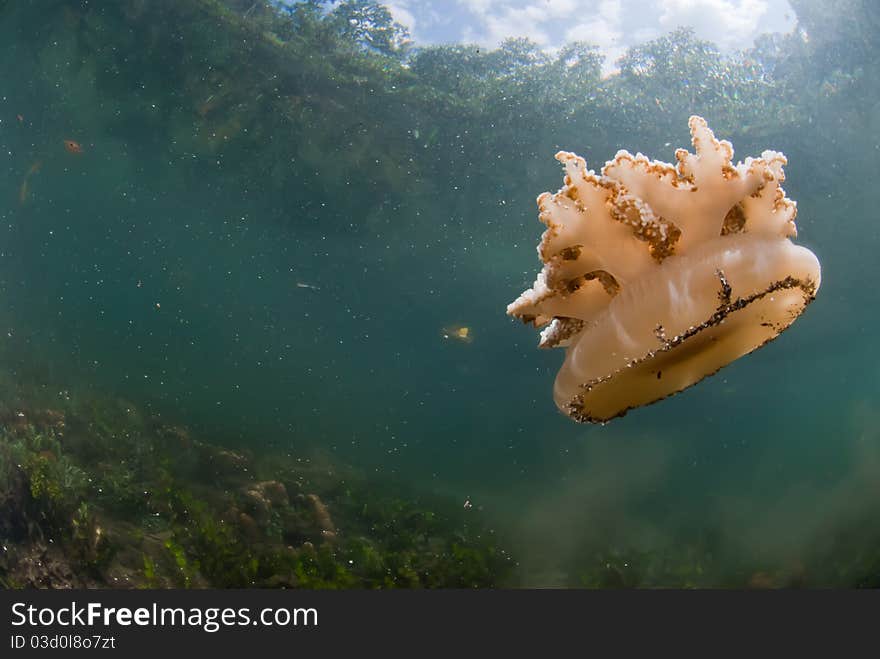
(73, 147)
(206, 106)
(24, 190)
(20, 118)
(458, 332)
(301, 284)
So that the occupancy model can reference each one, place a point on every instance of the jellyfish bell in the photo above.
(698, 314)
(656, 276)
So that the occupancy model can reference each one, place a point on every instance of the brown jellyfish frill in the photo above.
(656, 276)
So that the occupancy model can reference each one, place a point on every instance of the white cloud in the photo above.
(644, 34)
(728, 23)
(604, 30)
(560, 8)
(610, 10)
(499, 22)
(518, 22)
(479, 7)
(542, 21)
(402, 13)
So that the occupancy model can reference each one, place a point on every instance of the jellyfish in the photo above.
(656, 276)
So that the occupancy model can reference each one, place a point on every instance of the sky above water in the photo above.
(613, 25)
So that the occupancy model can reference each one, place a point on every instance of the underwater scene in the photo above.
(278, 307)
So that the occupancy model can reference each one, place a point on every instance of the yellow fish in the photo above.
(458, 332)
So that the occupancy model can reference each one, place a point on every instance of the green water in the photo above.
(269, 226)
